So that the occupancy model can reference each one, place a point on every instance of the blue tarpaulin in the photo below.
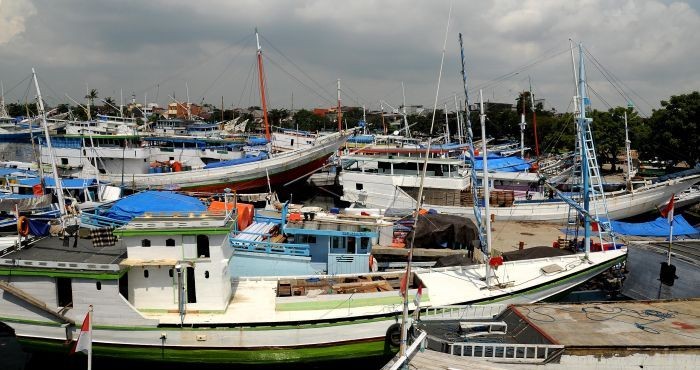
(233, 162)
(658, 227)
(5, 171)
(66, 183)
(153, 201)
(362, 139)
(253, 141)
(502, 164)
(39, 228)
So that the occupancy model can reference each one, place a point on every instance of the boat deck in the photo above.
(452, 285)
(631, 324)
(255, 302)
(54, 249)
(644, 263)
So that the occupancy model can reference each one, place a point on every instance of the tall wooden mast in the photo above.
(261, 77)
(339, 111)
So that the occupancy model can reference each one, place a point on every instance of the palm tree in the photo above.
(91, 96)
(109, 107)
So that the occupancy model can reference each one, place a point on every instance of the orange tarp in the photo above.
(245, 212)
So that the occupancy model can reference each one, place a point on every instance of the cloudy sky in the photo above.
(154, 48)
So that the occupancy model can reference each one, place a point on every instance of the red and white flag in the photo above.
(668, 210)
(404, 283)
(419, 294)
(84, 342)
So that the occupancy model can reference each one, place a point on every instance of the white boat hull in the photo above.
(620, 205)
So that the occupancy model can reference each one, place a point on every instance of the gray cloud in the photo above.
(155, 47)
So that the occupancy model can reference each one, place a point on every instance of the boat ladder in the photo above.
(507, 352)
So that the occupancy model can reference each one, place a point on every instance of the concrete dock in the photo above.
(661, 334)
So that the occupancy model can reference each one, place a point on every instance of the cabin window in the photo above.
(359, 186)
(292, 142)
(64, 161)
(98, 285)
(145, 274)
(336, 243)
(124, 286)
(364, 244)
(64, 292)
(191, 286)
(145, 243)
(311, 239)
(202, 246)
(206, 274)
(351, 244)
(170, 242)
(170, 272)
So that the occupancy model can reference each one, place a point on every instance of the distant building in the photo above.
(411, 109)
(179, 110)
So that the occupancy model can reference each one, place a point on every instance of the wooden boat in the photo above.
(164, 293)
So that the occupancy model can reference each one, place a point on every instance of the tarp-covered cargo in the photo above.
(155, 202)
(443, 231)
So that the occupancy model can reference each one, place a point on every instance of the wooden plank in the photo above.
(417, 252)
(21, 294)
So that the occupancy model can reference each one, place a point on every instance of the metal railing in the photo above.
(59, 265)
(529, 353)
(398, 361)
(471, 312)
(271, 248)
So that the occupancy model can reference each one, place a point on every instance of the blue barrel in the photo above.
(158, 170)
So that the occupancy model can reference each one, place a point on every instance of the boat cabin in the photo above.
(177, 262)
(302, 242)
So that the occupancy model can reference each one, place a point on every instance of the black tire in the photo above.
(393, 335)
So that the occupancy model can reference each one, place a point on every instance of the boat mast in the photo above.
(470, 147)
(447, 126)
(42, 114)
(459, 121)
(339, 113)
(87, 96)
(522, 126)
(627, 155)
(405, 119)
(419, 200)
(486, 186)
(3, 111)
(534, 120)
(364, 120)
(189, 110)
(381, 105)
(583, 122)
(261, 77)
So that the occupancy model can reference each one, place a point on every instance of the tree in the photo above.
(109, 107)
(306, 120)
(91, 96)
(675, 129)
(277, 115)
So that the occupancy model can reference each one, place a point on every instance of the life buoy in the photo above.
(23, 226)
(373, 264)
(393, 335)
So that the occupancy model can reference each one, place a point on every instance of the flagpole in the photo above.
(89, 354)
(670, 237)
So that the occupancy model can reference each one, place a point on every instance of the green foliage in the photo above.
(277, 115)
(674, 129)
(17, 109)
(306, 120)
